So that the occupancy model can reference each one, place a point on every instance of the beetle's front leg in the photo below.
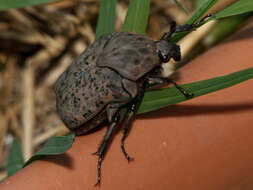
(160, 80)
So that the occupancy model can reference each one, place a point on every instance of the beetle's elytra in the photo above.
(108, 80)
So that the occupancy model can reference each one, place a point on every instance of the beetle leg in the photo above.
(186, 94)
(103, 147)
(160, 80)
(131, 113)
(114, 107)
(111, 111)
(126, 129)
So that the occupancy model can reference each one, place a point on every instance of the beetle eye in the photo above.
(163, 57)
(166, 58)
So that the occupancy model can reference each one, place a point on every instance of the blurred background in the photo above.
(38, 43)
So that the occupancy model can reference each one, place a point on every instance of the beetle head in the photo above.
(167, 50)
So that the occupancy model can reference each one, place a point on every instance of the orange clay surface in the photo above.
(204, 143)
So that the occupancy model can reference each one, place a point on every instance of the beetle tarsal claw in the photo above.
(188, 95)
(129, 159)
(98, 183)
(95, 153)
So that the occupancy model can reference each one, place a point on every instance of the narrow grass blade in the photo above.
(106, 18)
(162, 98)
(9, 4)
(15, 159)
(54, 146)
(199, 13)
(197, 3)
(137, 16)
(240, 7)
(225, 28)
(180, 6)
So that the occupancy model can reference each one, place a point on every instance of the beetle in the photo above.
(108, 80)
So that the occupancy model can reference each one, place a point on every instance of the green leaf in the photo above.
(54, 146)
(15, 159)
(240, 7)
(180, 6)
(197, 3)
(137, 16)
(8, 4)
(199, 13)
(106, 18)
(154, 100)
(224, 28)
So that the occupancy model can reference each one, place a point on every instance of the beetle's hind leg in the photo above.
(104, 145)
(129, 118)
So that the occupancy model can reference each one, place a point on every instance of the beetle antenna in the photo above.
(184, 28)
(190, 27)
(166, 36)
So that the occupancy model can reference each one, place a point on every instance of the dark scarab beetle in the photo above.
(107, 82)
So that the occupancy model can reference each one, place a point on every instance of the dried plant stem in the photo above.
(15, 126)
(8, 78)
(3, 130)
(52, 76)
(86, 30)
(11, 115)
(194, 38)
(120, 16)
(3, 175)
(51, 132)
(28, 117)
(54, 48)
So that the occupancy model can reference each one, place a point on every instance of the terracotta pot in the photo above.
(204, 143)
